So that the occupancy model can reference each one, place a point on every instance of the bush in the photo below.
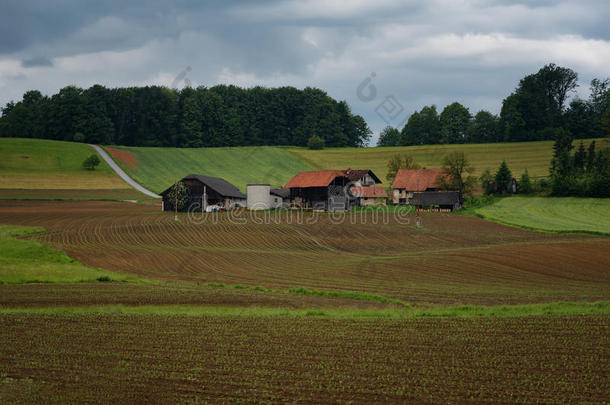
(183, 196)
(503, 178)
(487, 182)
(78, 137)
(91, 162)
(478, 201)
(315, 142)
(525, 184)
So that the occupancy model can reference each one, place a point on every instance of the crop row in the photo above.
(76, 358)
(454, 259)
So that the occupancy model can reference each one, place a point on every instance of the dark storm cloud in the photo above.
(437, 51)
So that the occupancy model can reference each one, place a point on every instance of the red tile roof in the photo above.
(416, 180)
(369, 192)
(321, 178)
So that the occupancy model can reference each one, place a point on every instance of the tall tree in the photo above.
(457, 174)
(422, 128)
(397, 162)
(389, 136)
(503, 178)
(454, 122)
(485, 127)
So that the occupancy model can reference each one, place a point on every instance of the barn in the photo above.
(205, 191)
(420, 188)
(320, 190)
(280, 197)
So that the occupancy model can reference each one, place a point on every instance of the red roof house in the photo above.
(417, 180)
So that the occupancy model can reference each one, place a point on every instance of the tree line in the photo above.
(222, 115)
(537, 110)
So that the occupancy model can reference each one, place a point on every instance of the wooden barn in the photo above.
(205, 191)
(320, 190)
(420, 188)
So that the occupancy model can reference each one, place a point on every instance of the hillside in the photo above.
(157, 168)
(37, 168)
(561, 214)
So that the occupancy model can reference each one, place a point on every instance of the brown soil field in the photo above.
(69, 358)
(123, 157)
(454, 259)
(127, 294)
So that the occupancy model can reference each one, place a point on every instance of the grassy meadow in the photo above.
(158, 168)
(25, 261)
(276, 165)
(45, 164)
(558, 214)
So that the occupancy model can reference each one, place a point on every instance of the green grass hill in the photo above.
(158, 168)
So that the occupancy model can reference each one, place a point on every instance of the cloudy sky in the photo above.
(387, 58)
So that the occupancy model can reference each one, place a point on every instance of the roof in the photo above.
(320, 178)
(436, 198)
(357, 174)
(369, 192)
(280, 192)
(221, 186)
(416, 180)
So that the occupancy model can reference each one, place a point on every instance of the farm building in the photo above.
(205, 191)
(258, 196)
(367, 196)
(362, 177)
(280, 197)
(320, 190)
(420, 188)
(363, 189)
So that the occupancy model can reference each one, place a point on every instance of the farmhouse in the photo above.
(205, 191)
(362, 177)
(420, 188)
(320, 190)
(367, 196)
(363, 189)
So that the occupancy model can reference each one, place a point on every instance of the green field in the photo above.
(44, 164)
(560, 214)
(157, 168)
(25, 261)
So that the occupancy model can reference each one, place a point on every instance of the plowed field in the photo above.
(175, 359)
(452, 259)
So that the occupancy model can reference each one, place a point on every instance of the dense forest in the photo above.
(158, 116)
(538, 109)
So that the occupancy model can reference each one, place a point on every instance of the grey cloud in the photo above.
(37, 61)
(329, 44)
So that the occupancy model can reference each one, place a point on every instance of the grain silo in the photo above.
(258, 197)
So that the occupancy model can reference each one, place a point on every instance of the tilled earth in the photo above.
(453, 259)
(69, 358)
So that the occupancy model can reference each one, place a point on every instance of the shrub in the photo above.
(487, 182)
(183, 196)
(91, 162)
(78, 137)
(525, 184)
(315, 142)
(503, 178)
